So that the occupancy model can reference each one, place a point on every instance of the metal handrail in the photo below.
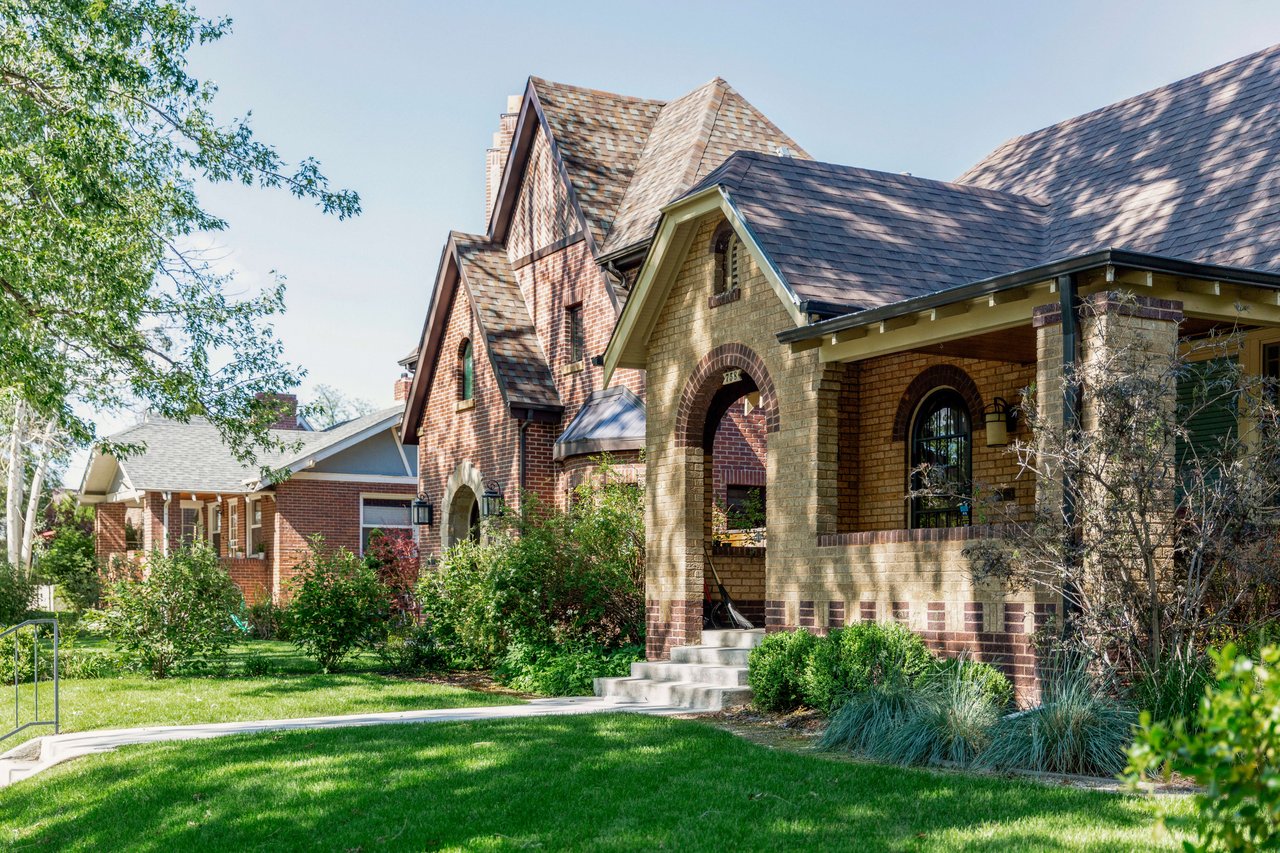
(35, 677)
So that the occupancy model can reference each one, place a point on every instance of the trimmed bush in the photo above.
(1233, 750)
(17, 592)
(563, 671)
(776, 667)
(178, 615)
(991, 682)
(1077, 728)
(853, 659)
(337, 605)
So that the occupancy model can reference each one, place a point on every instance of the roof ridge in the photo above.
(1082, 117)
(719, 86)
(545, 82)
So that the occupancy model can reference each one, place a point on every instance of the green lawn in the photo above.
(298, 690)
(597, 782)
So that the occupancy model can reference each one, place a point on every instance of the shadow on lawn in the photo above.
(599, 782)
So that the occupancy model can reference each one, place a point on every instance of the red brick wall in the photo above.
(739, 453)
(108, 530)
(252, 575)
(306, 507)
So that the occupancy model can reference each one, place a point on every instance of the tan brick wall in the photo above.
(807, 582)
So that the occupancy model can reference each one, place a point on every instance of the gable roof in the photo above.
(692, 136)
(482, 269)
(599, 137)
(845, 239)
(1189, 170)
(187, 457)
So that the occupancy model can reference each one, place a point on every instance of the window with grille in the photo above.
(133, 528)
(576, 333)
(254, 539)
(941, 461)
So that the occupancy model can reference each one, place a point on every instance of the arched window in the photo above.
(727, 249)
(941, 461)
(466, 372)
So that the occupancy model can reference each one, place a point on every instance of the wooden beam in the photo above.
(942, 312)
(845, 335)
(893, 324)
(1205, 288)
(1004, 297)
(806, 345)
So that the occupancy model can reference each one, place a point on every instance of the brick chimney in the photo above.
(286, 411)
(495, 159)
(403, 384)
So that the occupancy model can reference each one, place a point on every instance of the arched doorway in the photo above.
(464, 516)
(460, 520)
(728, 409)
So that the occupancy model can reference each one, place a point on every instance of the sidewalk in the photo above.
(39, 754)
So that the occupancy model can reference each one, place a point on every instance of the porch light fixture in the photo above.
(1001, 419)
(491, 502)
(422, 511)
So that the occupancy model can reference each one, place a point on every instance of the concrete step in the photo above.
(12, 770)
(694, 695)
(717, 655)
(736, 639)
(728, 676)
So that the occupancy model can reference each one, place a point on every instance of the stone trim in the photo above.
(715, 300)
(737, 551)
(705, 382)
(929, 380)
(1112, 302)
(916, 534)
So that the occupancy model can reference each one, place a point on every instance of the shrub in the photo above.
(870, 717)
(256, 665)
(410, 648)
(1233, 750)
(267, 621)
(394, 557)
(1173, 690)
(775, 669)
(72, 662)
(563, 671)
(17, 591)
(337, 605)
(68, 557)
(991, 682)
(459, 601)
(1076, 729)
(850, 660)
(949, 722)
(179, 615)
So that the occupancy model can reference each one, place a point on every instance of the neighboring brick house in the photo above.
(507, 393)
(877, 316)
(344, 482)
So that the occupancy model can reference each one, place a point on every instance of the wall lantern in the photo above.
(491, 502)
(423, 513)
(1001, 420)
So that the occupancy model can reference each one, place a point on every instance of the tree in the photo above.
(330, 407)
(1158, 533)
(104, 299)
(67, 555)
(33, 448)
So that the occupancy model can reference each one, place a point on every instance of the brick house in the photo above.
(343, 483)
(875, 317)
(507, 394)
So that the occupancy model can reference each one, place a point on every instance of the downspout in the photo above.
(1071, 406)
(524, 461)
(164, 543)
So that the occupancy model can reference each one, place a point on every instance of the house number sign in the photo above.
(732, 376)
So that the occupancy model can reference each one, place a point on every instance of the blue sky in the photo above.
(399, 100)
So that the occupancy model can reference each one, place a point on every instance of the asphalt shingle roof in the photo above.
(513, 345)
(183, 457)
(846, 239)
(1188, 171)
(692, 136)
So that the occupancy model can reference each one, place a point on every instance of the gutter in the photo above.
(1031, 275)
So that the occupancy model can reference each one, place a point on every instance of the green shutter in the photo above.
(1215, 420)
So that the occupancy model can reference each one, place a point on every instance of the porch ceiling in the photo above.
(1016, 345)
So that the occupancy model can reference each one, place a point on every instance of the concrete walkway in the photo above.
(38, 754)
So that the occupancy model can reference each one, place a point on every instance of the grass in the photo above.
(298, 689)
(597, 782)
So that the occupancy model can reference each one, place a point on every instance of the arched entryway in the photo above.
(728, 409)
(461, 517)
